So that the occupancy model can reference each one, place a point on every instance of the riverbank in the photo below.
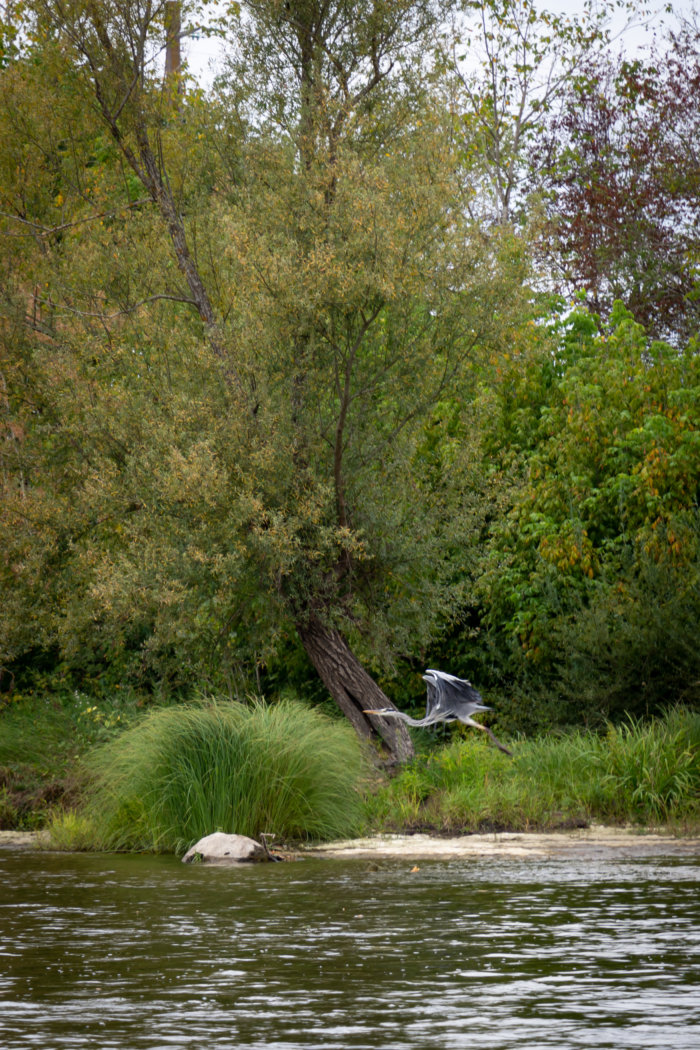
(21, 839)
(588, 843)
(591, 843)
(632, 775)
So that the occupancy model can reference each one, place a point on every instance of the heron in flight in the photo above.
(450, 699)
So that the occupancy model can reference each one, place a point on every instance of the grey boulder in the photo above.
(220, 848)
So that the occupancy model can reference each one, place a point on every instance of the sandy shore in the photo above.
(590, 843)
(20, 839)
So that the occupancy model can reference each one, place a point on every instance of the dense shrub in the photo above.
(586, 599)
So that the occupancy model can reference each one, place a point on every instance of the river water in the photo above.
(134, 952)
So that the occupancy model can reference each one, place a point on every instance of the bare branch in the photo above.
(49, 231)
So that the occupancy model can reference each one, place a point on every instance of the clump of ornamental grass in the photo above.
(70, 829)
(186, 771)
(634, 773)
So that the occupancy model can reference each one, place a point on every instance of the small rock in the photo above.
(220, 848)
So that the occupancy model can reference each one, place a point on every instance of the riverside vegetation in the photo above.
(369, 353)
(378, 352)
(177, 773)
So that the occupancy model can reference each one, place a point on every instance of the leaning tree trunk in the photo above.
(352, 688)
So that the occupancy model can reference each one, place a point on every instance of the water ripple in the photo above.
(148, 954)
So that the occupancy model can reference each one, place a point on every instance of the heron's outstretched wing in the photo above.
(432, 703)
(439, 703)
(456, 695)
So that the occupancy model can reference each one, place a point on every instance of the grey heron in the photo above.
(450, 699)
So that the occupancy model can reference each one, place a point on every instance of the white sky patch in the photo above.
(632, 32)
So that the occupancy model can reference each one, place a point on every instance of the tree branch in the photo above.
(48, 231)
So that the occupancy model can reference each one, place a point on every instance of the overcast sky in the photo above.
(203, 54)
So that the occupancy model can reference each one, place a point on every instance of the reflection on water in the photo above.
(143, 952)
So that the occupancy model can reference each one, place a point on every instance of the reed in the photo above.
(654, 768)
(643, 773)
(186, 771)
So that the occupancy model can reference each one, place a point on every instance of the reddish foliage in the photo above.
(621, 165)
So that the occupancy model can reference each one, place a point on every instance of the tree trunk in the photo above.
(173, 60)
(352, 688)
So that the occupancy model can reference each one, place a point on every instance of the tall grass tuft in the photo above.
(654, 768)
(184, 772)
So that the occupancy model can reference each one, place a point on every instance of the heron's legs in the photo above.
(499, 745)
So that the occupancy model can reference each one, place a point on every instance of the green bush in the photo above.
(446, 788)
(38, 743)
(588, 588)
(40, 733)
(8, 810)
(634, 642)
(186, 771)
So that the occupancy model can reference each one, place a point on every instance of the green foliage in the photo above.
(638, 772)
(435, 785)
(42, 735)
(9, 817)
(603, 520)
(48, 728)
(184, 772)
(266, 358)
(634, 643)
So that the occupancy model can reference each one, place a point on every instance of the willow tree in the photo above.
(247, 319)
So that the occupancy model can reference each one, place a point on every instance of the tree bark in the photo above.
(353, 689)
(173, 60)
